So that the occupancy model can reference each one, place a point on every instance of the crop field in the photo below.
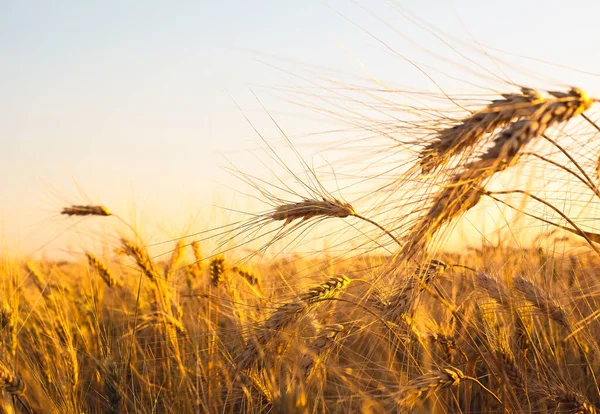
(442, 255)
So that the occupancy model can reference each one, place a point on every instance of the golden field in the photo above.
(238, 319)
(179, 336)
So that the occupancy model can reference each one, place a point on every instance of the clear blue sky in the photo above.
(133, 100)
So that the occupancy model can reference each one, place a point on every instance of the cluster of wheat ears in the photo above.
(496, 329)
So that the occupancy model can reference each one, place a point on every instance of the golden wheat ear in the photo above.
(471, 130)
(428, 383)
(87, 210)
(11, 382)
(102, 270)
(308, 208)
(511, 140)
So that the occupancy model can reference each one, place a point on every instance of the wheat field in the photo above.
(354, 287)
(496, 328)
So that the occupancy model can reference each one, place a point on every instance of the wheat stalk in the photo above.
(195, 246)
(493, 288)
(249, 276)
(37, 277)
(449, 203)
(508, 144)
(325, 208)
(571, 401)
(110, 373)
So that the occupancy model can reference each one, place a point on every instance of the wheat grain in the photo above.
(287, 314)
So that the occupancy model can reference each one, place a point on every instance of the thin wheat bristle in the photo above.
(309, 208)
(103, 271)
(86, 211)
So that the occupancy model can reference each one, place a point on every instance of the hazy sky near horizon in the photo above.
(135, 102)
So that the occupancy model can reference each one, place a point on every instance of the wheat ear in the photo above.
(320, 348)
(469, 132)
(542, 301)
(422, 386)
(102, 270)
(287, 314)
(86, 211)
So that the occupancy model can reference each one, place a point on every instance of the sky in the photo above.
(140, 104)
